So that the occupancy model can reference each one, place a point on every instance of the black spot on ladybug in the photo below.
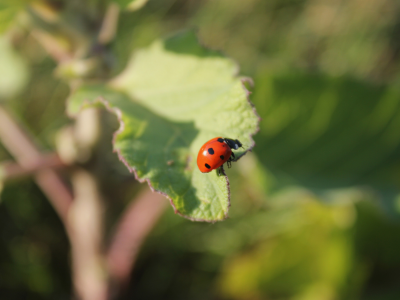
(207, 166)
(220, 140)
(222, 157)
(211, 151)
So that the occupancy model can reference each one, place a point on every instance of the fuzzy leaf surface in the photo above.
(172, 98)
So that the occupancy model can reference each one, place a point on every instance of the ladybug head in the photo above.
(233, 144)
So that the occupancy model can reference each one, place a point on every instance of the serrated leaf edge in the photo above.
(118, 113)
(248, 93)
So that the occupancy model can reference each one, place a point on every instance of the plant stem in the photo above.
(26, 153)
(136, 222)
(109, 26)
(86, 227)
(12, 170)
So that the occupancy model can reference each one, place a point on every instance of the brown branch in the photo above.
(85, 219)
(137, 221)
(13, 170)
(109, 25)
(54, 48)
(25, 152)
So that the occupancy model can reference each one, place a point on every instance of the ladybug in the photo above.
(216, 152)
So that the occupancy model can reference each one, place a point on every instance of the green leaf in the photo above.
(15, 69)
(172, 98)
(328, 132)
(131, 5)
(307, 251)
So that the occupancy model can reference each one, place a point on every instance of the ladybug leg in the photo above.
(230, 160)
(229, 163)
(219, 171)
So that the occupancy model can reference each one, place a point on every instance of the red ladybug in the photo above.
(216, 152)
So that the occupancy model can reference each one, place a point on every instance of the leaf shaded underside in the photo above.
(173, 97)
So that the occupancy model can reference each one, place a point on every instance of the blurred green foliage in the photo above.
(34, 246)
(14, 69)
(329, 132)
(314, 209)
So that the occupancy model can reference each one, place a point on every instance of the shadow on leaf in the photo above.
(329, 132)
(157, 150)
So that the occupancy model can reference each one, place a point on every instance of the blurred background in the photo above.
(315, 207)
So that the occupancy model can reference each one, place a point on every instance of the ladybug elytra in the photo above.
(216, 152)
